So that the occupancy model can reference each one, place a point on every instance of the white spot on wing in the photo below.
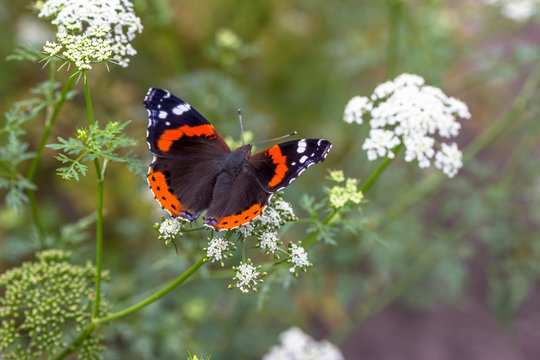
(303, 159)
(162, 114)
(167, 123)
(180, 109)
(301, 146)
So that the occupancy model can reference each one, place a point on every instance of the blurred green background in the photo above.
(442, 268)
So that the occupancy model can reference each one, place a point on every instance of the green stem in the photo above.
(99, 211)
(8, 168)
(379, 170)
(392, 50)
(155, 296)
(77, 342)
(35, 162)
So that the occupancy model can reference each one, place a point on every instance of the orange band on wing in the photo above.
(158, 184)
(233, 221)
(281, 165)
(170, 135)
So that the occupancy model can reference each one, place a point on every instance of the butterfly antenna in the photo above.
(241, 126)
(278, 138)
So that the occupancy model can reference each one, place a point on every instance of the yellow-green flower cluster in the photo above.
(43, 305)
(341, 195)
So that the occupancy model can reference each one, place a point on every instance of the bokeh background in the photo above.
(441, 268)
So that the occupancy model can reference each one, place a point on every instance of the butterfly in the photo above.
(193, 169)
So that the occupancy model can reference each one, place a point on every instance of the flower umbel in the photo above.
(169, 229)
(298, 258)
(44, 304)
(296, 345)
(269, 242)
(247, 277)
(341, 195)
(217, 249)
(406, 111)
(91, 31)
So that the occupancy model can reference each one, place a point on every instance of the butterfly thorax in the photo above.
(235, 161)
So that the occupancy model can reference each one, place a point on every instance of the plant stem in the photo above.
(77, 342)
(99, 210)
(379, 170)
(392, 50)
(155, 296)
(35, 162)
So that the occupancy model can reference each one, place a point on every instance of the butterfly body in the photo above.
(193, 168)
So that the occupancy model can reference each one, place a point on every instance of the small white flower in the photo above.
(170, 228)
(449, 159)
(269, 217)
(408, 112)
(355, 109)
(296, 345)
(299, 258)
(517, 10)
(247, 277)
(380, 144)
(269, 242)
(52, 48)
(284, 209)
(217, 249)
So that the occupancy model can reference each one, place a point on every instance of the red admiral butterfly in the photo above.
(193, 168)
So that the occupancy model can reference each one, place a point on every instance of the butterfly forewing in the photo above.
(278, 166)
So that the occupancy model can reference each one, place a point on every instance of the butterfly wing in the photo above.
(239, 199)
(236, 200)
(188, 153)
(277, 167)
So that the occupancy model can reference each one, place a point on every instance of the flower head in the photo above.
(269, 242)
(44, 304)
(341, 195)
(296, 345)
(275, 215)
(169, 229)
(217, 249)
(517, 10)
(91, 31)
(247, 276)
(298, 258)
(405, 111)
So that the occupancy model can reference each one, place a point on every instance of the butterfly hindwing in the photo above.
(237, 200)
(185, 147)
(278, 166)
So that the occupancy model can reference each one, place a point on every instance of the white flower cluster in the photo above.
(517, 10)
(274, 216)
(247, 276)
(406, 111)
(269, 242)
(170, 228)
(91, 31)
(296, 345)
(299, 258)
(217, 249)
